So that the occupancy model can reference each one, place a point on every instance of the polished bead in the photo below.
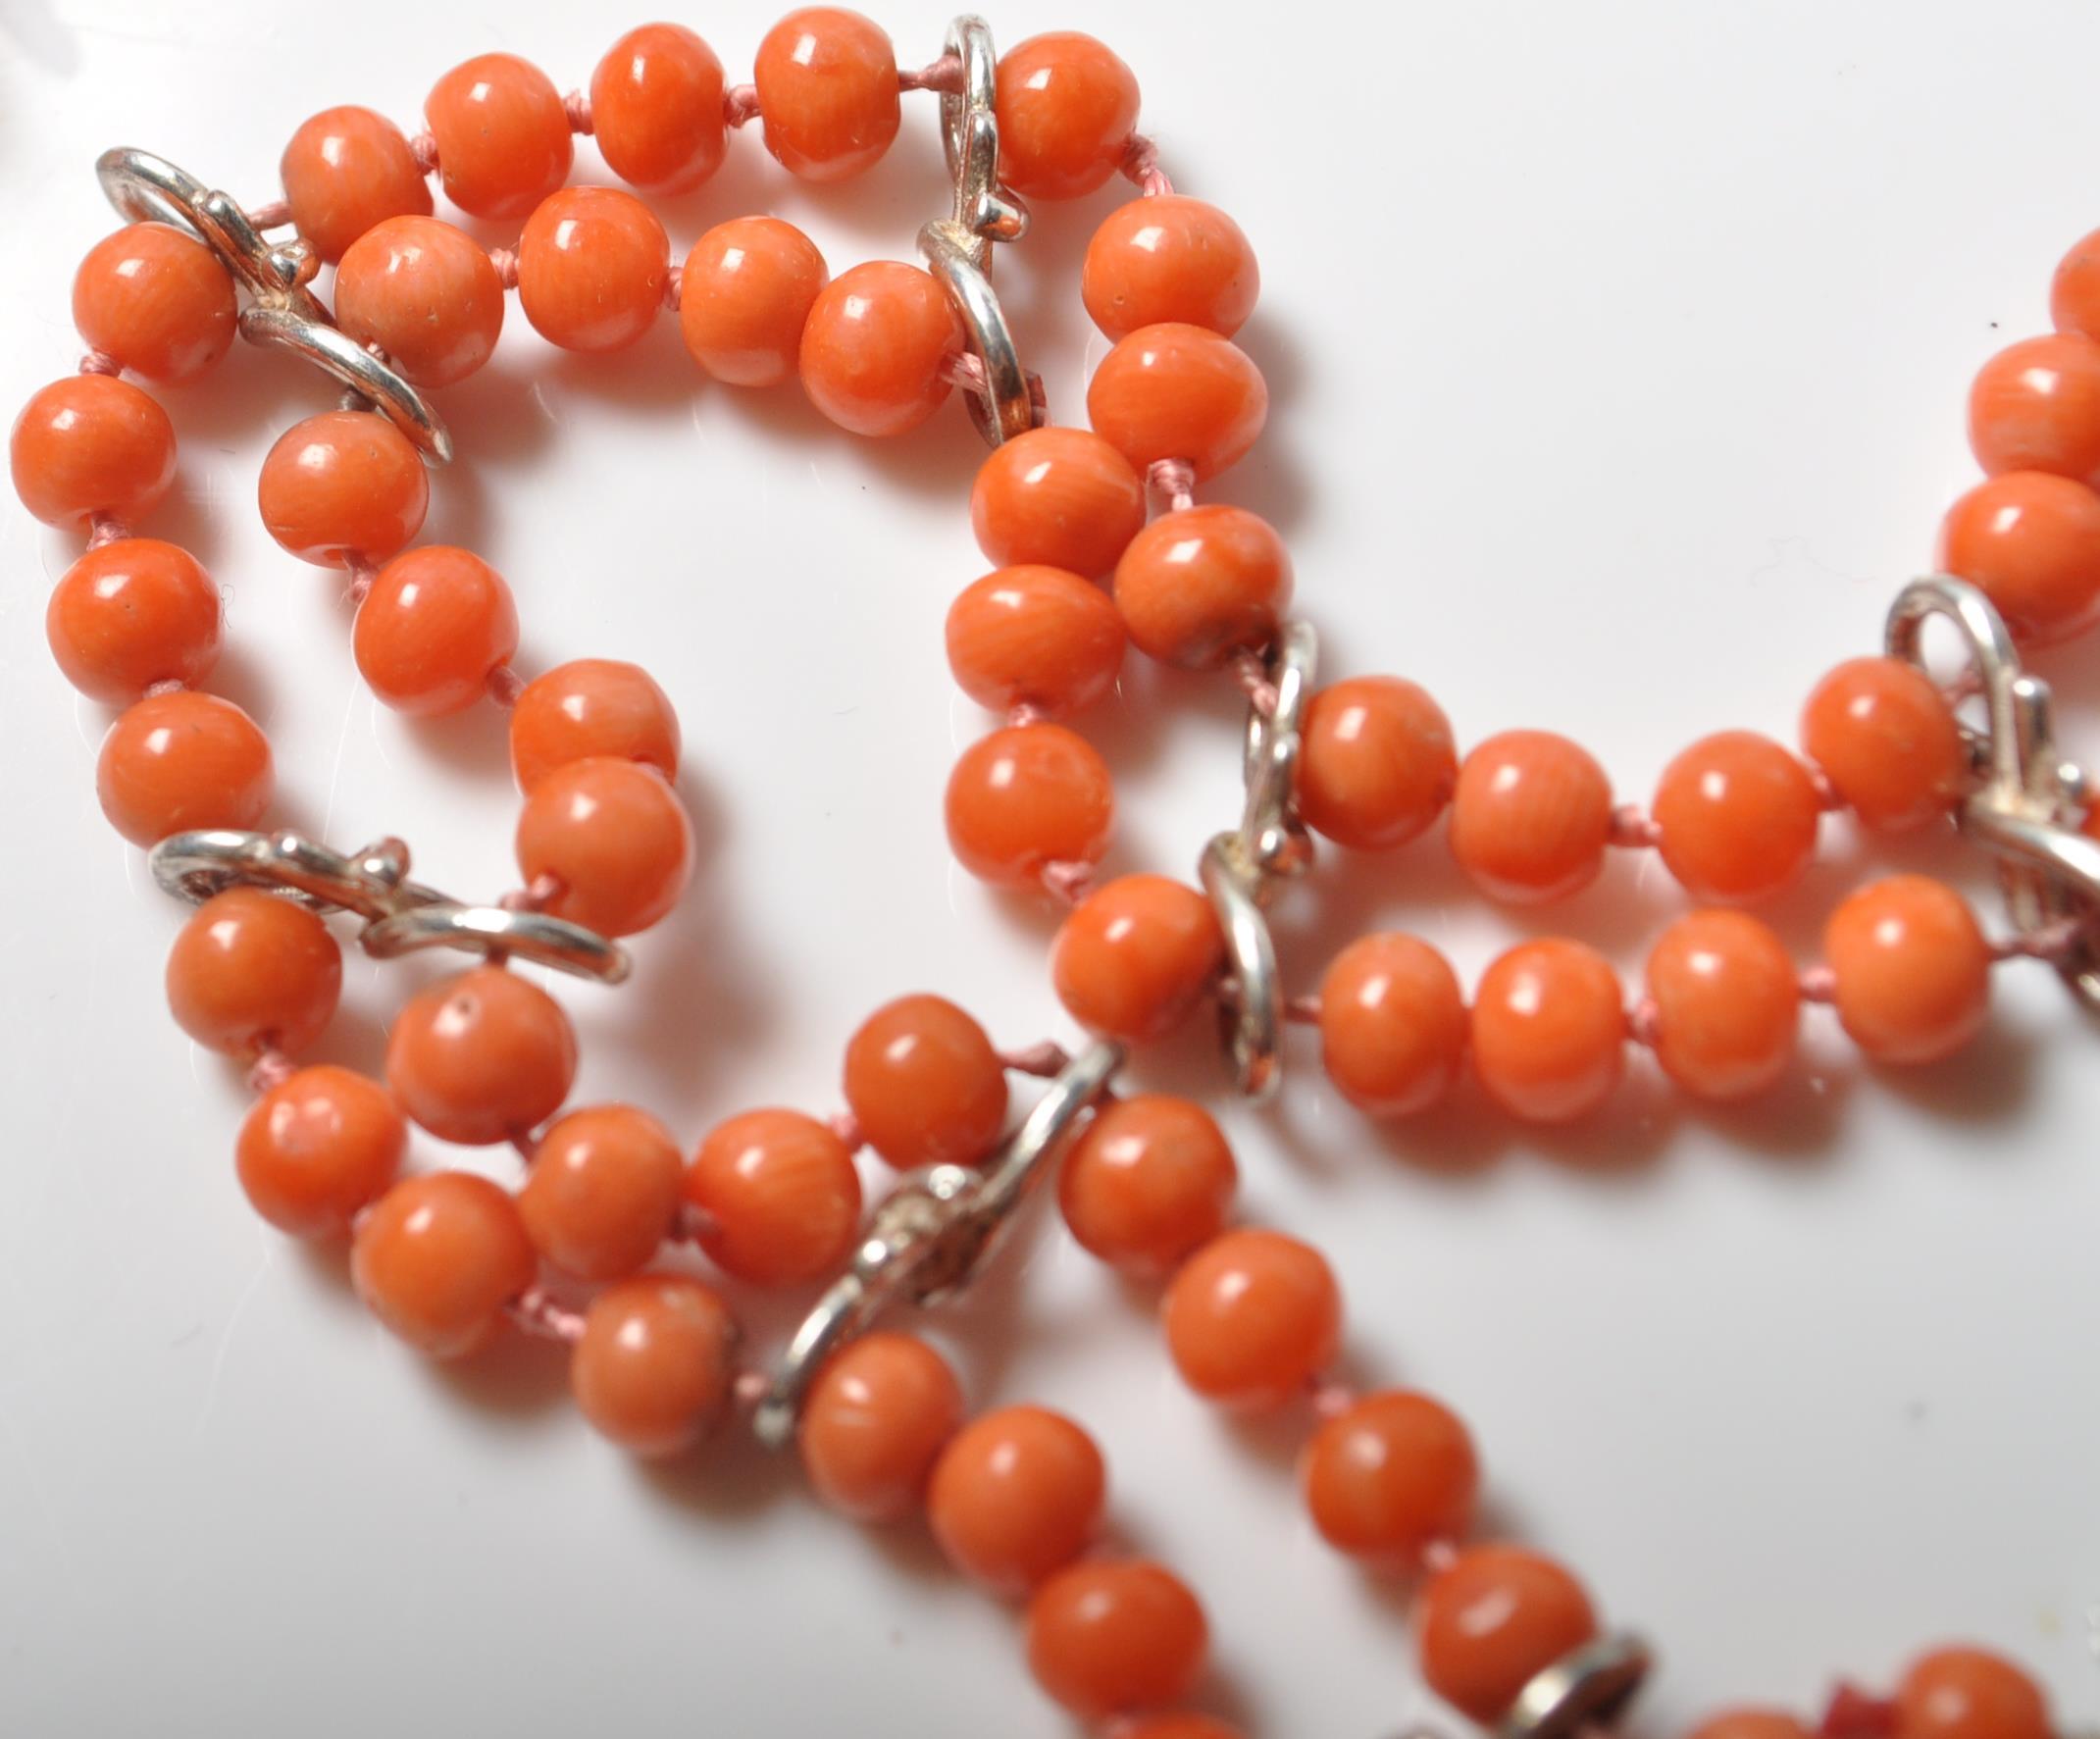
(1886, 740)
(1150, 1180)
(1530, 817)
(1393, 1025)
(744, 297)
(590, 708)
(1737, 817)
(613, 838)
(345, 170)
(1728, 1004)
(438, 1256)
(92, 444)
(1393, 1473)
(252, 972)
(653, 1366)
(182, 760)
(1199, 585)
(778, 1197)
(1067, 107)
(426, 293)
(1252, 1318)
(1910, 969)
(1015, 1496)
(602, 1191)
(873, 1423)
(656, 109)
(483, 1057)
(1026, 797)
(435, 625)
(1169, 258)
(319, 1147)
(1753, 1723)
(1034, 637)
(1063, 497)
(1376, 765)
(1492, 1620)
(2031, 543)
(2036, 406)
(925, 1085)
(1965, 1692)
(155, 302)
(876, 348)
(827, 87)
(2074, 290)
(502, 135)
(131, 615)
(1110, 1637)
(1177, 391)
(1135, 956)
(342, 484)
(592, 268)
(1548, 1031)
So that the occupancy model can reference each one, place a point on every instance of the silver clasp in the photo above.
(1588, 1689)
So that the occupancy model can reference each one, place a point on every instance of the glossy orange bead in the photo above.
(1494, 1619)
(1067, 107)
(1110, 1637)
(779, 1197)
(1751, 1723)
(615, 840)
(1177, 391)
(1393, 1025)
(1390, 1475)
(1026, 797)
(343, 483)
(438, 1258)
(435, 624)
(653, 1368)
(1169, 258)
(602, 1191)
(1548, 1031)
(1911, 968)
(876, 348)
(2074, 290)
(656, 109)
(345, 171)
(426, 293)
(1135, 956)
(1150, 1180)
(318, 1147)
(2036, 406)
(875, 1421)
(1376, 765)
(1198, 586)
(2031, 541)
(1728, 1004)
(1034, 637)
(1061, 497)
(1530, 817)
(827, 87)
(182, 760)
(590, 707)
(1886, 740)
(132, 614)
(482, 1057)
(1252, 1318)
(592, 268)
(1015, 1496)
(925, 1085)
(155, 302)
(1737, 816)
(502, 135)
(1965, 1692)
(90, 444)
(251, 972)
(744, 297)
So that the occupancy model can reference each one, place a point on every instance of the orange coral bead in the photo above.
(1886, 740)
(1393, 1025)
(1389, 1476)
(1026, 797)
(744, 297)
(90, 444)
(438, 1258)
(656, 109)
(1494, 1619)
(1015, 1496)
(1737, 816)
(1548, 1031)
(1135, 956)
(827, 87)
(590, 707)
(182, 760)
(435, 625)
(502, 135)
(779, 1197)
(1376, 765)
(2036, 406)
(2074, 290)
(1177, 391)
(592, 268)
(2031, 541)
(1169, 258)
(1252, 1318)
(1150, 1180)
(1530, 817)
(1198, 586)
(653, 1366)
(1961, 1693)
(342, 484)
(481, 1058)
(876, 348)
(131, 615)
(155, 302)
(615, 840)
(1751, 1723)
(319, 1147)
(251, 972)
(1910, 969)
(925, 1085)
(1062, 497)
(1034, 637)
(874, 1422)
(603, 1191)
(1067, 107)
(1728, 1004)
(345, 170)
(1105, 1638)
(426, 293)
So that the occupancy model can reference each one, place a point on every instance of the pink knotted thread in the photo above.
(943, 74)
(740, 105)
(272, 1068)
(1644, 1023)
(846, 1127)
(527, 1142)
(541, 891)
(1826, 795)
(505, 261)
(1439, 1556)
(2056, 942)
(1141, 164)
(673, 288)
(749, 1386)
(270, 213)
(1026, 713)
(166, 685)
(690, 1224)
(424, 149)
(1175, 480)
(576, 106)
(1331, 1398)
(1045, 1060)
(1252, 671)
(1303, 1010)
(1818, 984)
(1067, 882)
(1633, 827)
(100, 362)
(505, 686)
(538, 1315)
(362, 573)
(106, 528)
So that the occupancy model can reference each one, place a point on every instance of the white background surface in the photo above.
(1618, 355)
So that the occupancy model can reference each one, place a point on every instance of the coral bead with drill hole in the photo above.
(1910, 969)
(433, 628)
(481, 1058)
(1376, 766)
(1966, 1693)
(593, 263)
(437, 1257)
(744, 297)
(2031, 541)
(1178, 392)
(1034, 637)
(1067, 109)
(874, 1422)
(1110, 1637)
(656, 109)
(132, 615)
(182, 760)
(1133, 957)
(778, 1197)
(1025, 798)
(1728, 1004)
(614, 840)
(1252, 1318)
(1492, 1620)
(319, 1147)
(1169, 258)
(2036, 406)
(1060, 497)
(156, 302)
(590, 707)
(1393, 1025)
(426, 293)
(925, 1085)
(1199, 585)
(876, 348)
(1150, 1180)
(342, 484)
(1886, 740)
(2074, 290)
(252, 972)
(1530, 817)
(1393, 1473)
(1015, 1496)
(92, 444)
(602, 1191)
(345, 171)
(1548, 1031)
(653, 1368)
(502, 135)
(827, 87)
(1737, 816)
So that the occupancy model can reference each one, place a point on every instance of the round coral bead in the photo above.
(346, 171)
(1252, 1318)
(1177, 391)
(155, 302)
(1150, 1180)
(2074, 290)
(1737, 816)
(602, 1191)
(1062, 497)
(433, 630)
(426, 293)
(1067, 109)
(744, 297)
(1015, 1496)
(2031, 541)
(1911, 968)
(438, 1258)
(656, 109)
(2036, 406)
(480, 1058)
(653, 1368)
(592, 268)
(1751, 1723)
(876, 348)
(502, 135)
(1034, 637)
(131, 615)
(615, 840)
(92, 444)
(319, 1147)
(827, 87)
(925, 1085)
(1728, 1004)
(590, 708)
(1530, 817)
(1135, 956)
(874, 1422)
(1393, 1025)
(343, 483)
(1110, 1637)
(1394, 1473)
(251, 972)
(1962, 1693)
(1548, 1031)
(1886, 740)
(1492, 1620)
(1376, 765)
(778, 1195)
(178, 761)
(1169, 258)
(1026, 797)
(1198, 586)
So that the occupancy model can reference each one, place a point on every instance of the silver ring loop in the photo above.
(1588, 1688)
(1007, 409)
(1252, 1017)
(969, 139)
(493, 930)
(335, 352)
(1271, 834)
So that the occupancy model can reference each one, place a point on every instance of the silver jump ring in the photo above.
(1252, 1017)
(371, 377)
(1007, 409)
(1271, 834)
(1588, 1688)
(493, 930)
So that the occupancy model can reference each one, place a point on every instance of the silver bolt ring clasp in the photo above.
(1587, 1689)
